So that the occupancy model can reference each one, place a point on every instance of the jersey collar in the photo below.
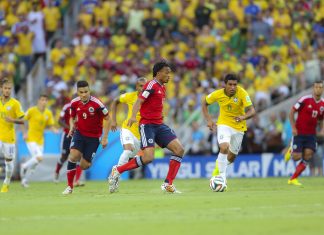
(158, 82)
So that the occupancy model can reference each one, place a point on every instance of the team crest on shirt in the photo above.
(235, 99)
(310, 106)
(8, 108)
(91, 109)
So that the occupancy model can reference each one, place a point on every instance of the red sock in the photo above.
(70, 177)
(132, 164)
(58, 168)
(78, 173)
(174, 166)
(299, 169)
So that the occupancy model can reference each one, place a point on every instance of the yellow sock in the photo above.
(216, 170)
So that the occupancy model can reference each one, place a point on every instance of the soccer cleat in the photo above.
(67, 191)
(294, 182)
(216, 169)
(5, 188)
(79, 184)
(169, 188)
(113, 180)
(287, 155)
(24, 183)
(56, 178)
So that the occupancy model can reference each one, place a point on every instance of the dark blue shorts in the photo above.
(86, 145)
(158, 133)
(301, 142)
(65, 144)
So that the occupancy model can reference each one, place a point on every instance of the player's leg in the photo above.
(127, 139)
(147, 143)
(28, 168)
(65, 149)
(288, 151)
(166, 138)
(9, 155)
(297, 154)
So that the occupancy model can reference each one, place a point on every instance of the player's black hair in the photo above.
(5, 81)
(232, 77)
(43, 95)
(82, 84)
(318, 82)
(160, 65)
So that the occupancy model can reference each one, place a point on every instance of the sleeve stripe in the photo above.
(75, 100)
(304, 98)
(150, 85)
(94, 99)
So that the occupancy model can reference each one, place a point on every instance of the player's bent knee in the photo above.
(296, 157)
(179, 151)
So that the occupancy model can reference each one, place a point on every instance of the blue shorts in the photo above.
(158, 133)
(65, 145)
(86, 145)
(301, 142)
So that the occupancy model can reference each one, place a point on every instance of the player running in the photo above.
(310, 110)
(90, 114)
(129, 136)
(10, 113)
(152, 130)
(235, 108)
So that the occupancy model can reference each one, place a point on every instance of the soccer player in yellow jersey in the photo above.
(10, 113)
(235, 108)
(129, 136)
(38, 118)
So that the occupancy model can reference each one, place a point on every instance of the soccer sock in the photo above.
(70, 173)
(78, 173)
(59, 165)
(299, 169)
(132, 164)
(124, 157)
(9, 171)
(30, 164)
(174, 165)
(222, 164)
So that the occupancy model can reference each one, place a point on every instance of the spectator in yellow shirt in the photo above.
(52, 19)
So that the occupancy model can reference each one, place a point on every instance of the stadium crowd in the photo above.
(276, 46)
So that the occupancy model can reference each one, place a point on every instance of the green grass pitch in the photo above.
(251, 206)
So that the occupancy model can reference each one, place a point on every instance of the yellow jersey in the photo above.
(130, 99)
(230, 107)
(12, 109)
(37, 122)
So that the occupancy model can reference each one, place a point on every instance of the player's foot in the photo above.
(216, 169)
(24, 183)
(113, 179)
(169, 188)
(67, 191)
(294, 182)
(5, 188)
(56, 178)
(79, 184)
(287, 155)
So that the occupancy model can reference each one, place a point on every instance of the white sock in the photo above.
(9, 171)
(124, 157)
(222, 164)
(30, 164)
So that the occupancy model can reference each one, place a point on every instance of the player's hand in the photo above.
(239, 118)
(131, 121)
(9, 119)
(294, 131)
(211, 125)
(114, 126)
(71, 131)
(104, 142)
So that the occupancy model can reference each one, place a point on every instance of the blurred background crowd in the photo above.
(276, 46)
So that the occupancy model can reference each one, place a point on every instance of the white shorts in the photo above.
(127, 137)
(226, 134)
(35, 149)
(8, 150)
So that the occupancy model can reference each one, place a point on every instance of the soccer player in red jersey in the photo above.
(310, 110)
(92, 119)
(152, 130)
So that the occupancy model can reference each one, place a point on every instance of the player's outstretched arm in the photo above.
(106, 128)
(249, 112)
(204, 106)
(15, 120)
(135, 110)
(292, 121)
(113, 109)
(72, 126)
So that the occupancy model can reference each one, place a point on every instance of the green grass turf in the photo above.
(251, 206)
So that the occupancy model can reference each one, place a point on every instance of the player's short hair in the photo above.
(318, 82)
(82, 84)
(160, 65)
(232, 77)
(5, 81)
(43, 95)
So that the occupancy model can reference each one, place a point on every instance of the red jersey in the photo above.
(309, 112)
(152, 108)
(65, 116)
(89, 116)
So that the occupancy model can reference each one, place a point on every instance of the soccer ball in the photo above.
(217, 184)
